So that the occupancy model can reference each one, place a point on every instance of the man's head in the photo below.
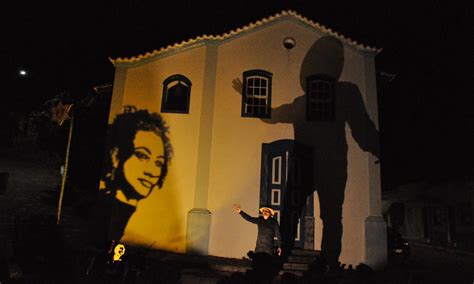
(267, 212)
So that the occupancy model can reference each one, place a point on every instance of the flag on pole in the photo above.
(61, 112)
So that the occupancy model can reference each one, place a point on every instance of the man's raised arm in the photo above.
(245, 215)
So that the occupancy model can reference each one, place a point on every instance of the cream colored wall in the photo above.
(236, 143)
(235, 155)
(161, 218)
(356, 207)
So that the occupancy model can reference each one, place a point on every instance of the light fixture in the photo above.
(289, 42)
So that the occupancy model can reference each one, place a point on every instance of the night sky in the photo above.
(426, 115)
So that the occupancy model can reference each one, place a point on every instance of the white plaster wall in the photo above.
(236, 143)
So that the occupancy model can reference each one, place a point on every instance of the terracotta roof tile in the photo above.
(228, 35)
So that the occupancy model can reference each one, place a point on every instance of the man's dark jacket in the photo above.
(267, 230)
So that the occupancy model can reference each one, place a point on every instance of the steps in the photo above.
(299, 261)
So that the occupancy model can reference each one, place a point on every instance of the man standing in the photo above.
(268, 229)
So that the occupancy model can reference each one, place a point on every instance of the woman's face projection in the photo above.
(143, 169)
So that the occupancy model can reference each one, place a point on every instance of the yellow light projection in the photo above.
(157, 223)
(119, 251)
(134, 206)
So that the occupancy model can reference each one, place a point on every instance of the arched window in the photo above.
(176, 94)
(320, 99)
(257, 94)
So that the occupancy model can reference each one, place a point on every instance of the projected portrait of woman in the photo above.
(138, 153)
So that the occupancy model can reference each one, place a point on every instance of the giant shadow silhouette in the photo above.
(327, 139)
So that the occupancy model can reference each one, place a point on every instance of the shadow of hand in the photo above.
(237, 85)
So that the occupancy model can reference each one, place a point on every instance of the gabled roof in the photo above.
(216, 39)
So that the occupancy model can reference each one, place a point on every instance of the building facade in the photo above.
(275, 113)
(439, 215)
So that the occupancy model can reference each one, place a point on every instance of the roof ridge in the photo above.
(248, 27)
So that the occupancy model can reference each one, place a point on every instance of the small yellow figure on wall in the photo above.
(119, 251)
